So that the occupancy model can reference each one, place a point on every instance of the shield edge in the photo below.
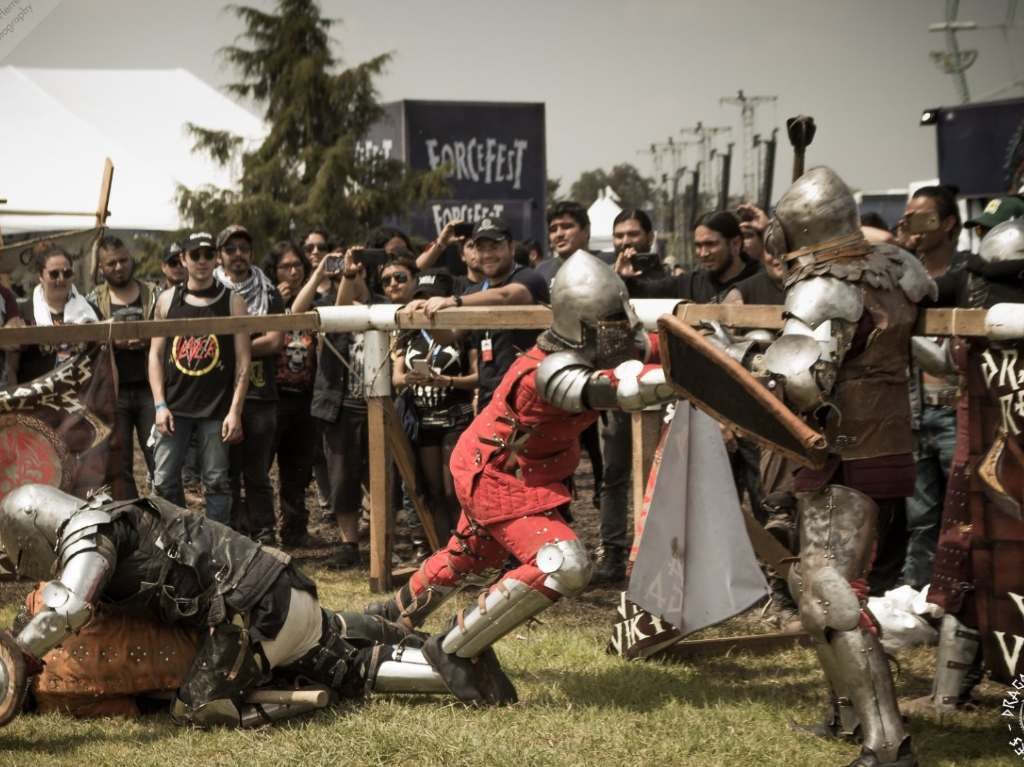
(814, 443)
(17, 686)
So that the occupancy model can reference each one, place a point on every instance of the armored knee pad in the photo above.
(567, 566)
(334, 662)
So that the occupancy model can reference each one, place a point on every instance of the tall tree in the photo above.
(312, 168)
(629, 185)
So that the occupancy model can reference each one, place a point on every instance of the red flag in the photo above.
(57, 429)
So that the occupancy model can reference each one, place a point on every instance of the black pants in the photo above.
(135, 415)
(250, 468)
(591, 442)
(617, 451)
(746, 473)
(297, 436)
(892, 546)
(346, 449)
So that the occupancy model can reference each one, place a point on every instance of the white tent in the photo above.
(602, 218)
(58, 125)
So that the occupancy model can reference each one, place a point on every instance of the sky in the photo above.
(615, 75)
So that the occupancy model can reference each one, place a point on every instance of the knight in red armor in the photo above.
(978, 579)
(510, 469)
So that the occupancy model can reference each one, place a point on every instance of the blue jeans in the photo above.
(936, 439)
(169, 457)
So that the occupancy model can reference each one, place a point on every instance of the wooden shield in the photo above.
(717, 384)
(13, 678)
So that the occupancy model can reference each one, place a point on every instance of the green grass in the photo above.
(577, 706)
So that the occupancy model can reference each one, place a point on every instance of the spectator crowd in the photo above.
(217, 411)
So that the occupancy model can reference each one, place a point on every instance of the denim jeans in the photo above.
(936, 439)
(169, 456)
(134, 415)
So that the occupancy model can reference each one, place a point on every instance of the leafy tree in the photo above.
(551, 185)
(311, 169)
(632, 188)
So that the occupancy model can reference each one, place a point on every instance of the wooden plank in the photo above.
(102, 211)
(644, 432)
(934, 322)
(100, 332)
(405, 460)
(755, 644)
(380, 496)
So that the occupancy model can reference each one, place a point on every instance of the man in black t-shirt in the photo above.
(122, 297)
(505, 283)
(251, 459)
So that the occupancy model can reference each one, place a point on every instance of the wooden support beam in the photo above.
(380, 495)
(755, 644)
(405, 460)
(645, 432)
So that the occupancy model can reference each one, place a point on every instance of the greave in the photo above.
(403, 670)
(863, 668)
(842, 721)
(508, 605)
(958, 649)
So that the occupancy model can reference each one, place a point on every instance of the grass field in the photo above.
(577, 706)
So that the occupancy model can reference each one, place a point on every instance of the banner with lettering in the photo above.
(56, 430)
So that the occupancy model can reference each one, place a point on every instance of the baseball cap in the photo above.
(198, 240)
(999, 210)
(173, 252)
(434, 282)
(231, 231)
(492, 228)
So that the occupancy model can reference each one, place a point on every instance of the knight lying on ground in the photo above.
(257, 615)
(512, 465)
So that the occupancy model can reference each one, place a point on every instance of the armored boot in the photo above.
(957, 670)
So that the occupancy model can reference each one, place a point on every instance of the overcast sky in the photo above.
(615, 75)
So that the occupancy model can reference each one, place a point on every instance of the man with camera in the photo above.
(122, 297)
(645, 277)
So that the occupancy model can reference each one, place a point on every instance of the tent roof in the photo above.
(62, 123)
(602, 214)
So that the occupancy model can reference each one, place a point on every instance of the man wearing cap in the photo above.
(123, 297)
(198, 382)
(171, 266)
(996, 212)
(505, 283)
(250, 464)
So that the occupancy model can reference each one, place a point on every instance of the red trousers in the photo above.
(479, 550)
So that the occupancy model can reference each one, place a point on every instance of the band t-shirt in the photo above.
(439, 406)
(132, 364)
(498, 349)
(262, 385)
(199, 370)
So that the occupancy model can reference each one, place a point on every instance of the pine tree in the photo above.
(310, 169)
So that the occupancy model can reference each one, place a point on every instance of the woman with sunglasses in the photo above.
(288, 267)
(55, 301)
(398, 279)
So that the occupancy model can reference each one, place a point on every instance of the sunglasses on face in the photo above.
(289, 266)
(233, 249)
(316, 247)
(201, 255)
(56, 274)
(398, 277)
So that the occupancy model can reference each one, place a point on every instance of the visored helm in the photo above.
(31, 517)
(817, 208)
(592, 314)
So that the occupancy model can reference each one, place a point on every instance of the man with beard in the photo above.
(122, 297)
(720, 259)
(250, 463)
(172, 267)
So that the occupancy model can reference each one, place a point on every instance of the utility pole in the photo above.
(748, 106)
(705, 136)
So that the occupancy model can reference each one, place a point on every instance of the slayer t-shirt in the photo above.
(199, 371)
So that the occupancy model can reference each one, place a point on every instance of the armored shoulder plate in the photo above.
(915, 282)
(82, 520)
(562, 378)
(820, 299)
